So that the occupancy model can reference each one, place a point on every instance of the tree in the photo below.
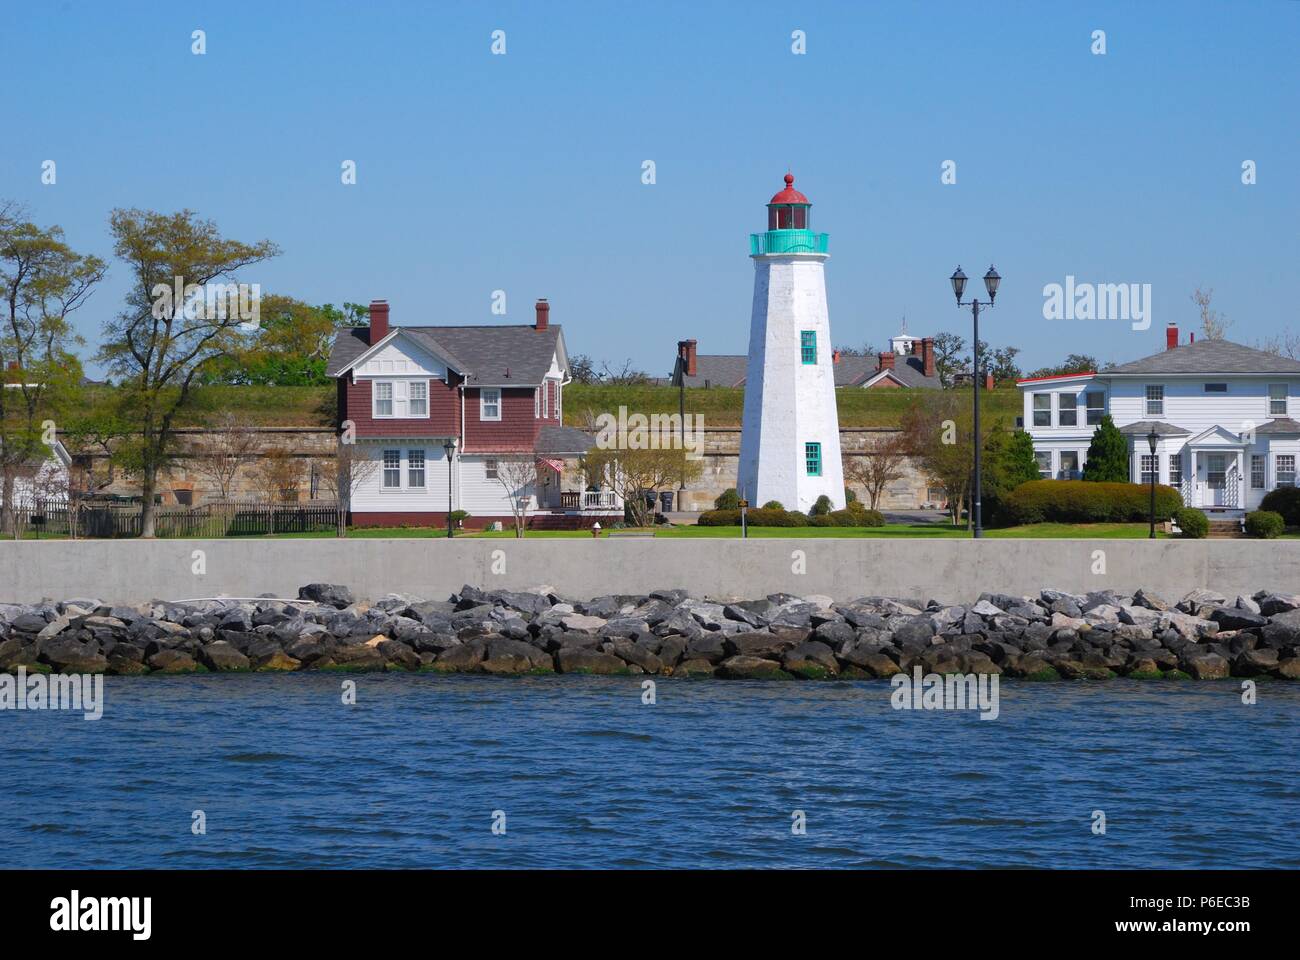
(518, 475)
(582, 369)
(278, 475)
(42, 282)
(949, 356)
(160, 348)
(878, 467)
(634, 473)
(1074, 363)
(232, 444)
(349, 468)
(1214, 325)
(1107, 454)
(1003, 365)
(291, 344)
(1284, 344)
(938, 434)
(1007, 462)
(626, 375)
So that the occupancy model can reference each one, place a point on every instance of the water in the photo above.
(288, 776)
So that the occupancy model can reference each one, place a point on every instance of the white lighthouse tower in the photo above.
(790, 440)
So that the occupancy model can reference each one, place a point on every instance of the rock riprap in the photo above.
(1054, 635)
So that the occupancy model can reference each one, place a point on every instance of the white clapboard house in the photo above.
(1223, 413)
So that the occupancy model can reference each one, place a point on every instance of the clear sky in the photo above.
(523, 172)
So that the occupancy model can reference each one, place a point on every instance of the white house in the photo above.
(1222, 412)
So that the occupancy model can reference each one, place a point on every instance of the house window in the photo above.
(1175, 469)
(1068, 414)
(1277, 399)
(1042, 409)
(419, 398)
(559, 392)
(1150, 468)
(184, 498)
(489, 403)
(392, 469)
(1069, 464)
(808, 345)
(1044, 458)
(490, 468)
(1216, 388)
(812, 456)
(1284, 470)
(1256, 471)
(1216, 470)
(1095, 402)
(415, 468)
(546, 399)
(383, 399)
(1155, 400)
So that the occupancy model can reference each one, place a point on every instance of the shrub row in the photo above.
(1083, 501)
(855, 516)
(1286, 502)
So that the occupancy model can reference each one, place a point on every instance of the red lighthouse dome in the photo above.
(788, 210)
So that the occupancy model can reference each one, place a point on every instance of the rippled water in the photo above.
(288, 776)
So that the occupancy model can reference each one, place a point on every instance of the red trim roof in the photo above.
(789, 194)
(1059, 376)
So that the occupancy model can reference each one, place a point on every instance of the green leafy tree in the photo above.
(159, 351)
(1074, 363)
(949, 356)
(1107, 454)
(1008, 462)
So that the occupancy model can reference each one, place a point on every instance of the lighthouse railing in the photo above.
(787, 241)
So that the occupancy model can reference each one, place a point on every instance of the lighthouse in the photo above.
(790, 438)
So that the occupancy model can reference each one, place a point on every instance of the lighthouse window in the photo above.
(808, 345)
(812, 455)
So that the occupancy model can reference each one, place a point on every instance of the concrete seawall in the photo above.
(129, 571)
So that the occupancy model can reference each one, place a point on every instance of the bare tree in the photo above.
(518, 475)
(1214, 325)
(232, 444)
(634, 473)
(350, 467)
(278, 475)
(626, 375)
(1284, 344)
(878, 467)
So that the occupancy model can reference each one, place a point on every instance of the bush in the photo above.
(457, 516)
(728, 500)
(850, 496)
(1192, 523)
(773, 505)
(755, 518)
(1284, 501)
(821, 507)
(1265, 524)
(1083, 501)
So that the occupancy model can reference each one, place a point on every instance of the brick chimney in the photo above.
(886, 361)
(835, 356)
(988, 380)
(378, 320)
(686, 350)
(543, 315)
(927, 356)
(1171, 335)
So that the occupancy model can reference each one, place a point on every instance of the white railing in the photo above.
(596, 499)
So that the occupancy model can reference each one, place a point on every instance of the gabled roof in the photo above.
(718, 370)
(908, 370)
(1279, 426)
(556, 439)
(1222, 435)
(1144, 427)
(515, 355)
(1207, 357)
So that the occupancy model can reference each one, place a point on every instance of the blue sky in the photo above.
(523, 172)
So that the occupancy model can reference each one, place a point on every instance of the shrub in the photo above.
(458, 515)
(719, 518)
(728, 500)
(821, 507)
(1192, 523)
(850, 496)
(755, 518)
(773, 505)
(1083, 501)
(1284, 501)
(1265, 524)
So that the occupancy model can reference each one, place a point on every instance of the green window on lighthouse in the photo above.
(808, 345)
(812, 455)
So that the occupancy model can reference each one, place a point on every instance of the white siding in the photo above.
(1187, 405)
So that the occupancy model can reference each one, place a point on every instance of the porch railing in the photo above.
(594, 499)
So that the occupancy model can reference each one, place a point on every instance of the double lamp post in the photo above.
(991, 281)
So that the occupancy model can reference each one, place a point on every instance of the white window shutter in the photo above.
(399, 398)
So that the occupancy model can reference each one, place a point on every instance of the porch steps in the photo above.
(1225, 530)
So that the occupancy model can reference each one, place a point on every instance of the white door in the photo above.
(1216, 474)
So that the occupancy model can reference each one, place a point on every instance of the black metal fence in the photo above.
(92, 519)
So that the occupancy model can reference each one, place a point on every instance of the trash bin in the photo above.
(665, 501)
(650, 500)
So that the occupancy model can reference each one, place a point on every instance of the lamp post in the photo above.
(991, 281)
(1152, 439)
(450, 447)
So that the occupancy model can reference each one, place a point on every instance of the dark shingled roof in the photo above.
(484, 353)
(909, 369)
(553, 439)
(1207, 357)
(717, 370)
(1279, 425)
(1143, 427)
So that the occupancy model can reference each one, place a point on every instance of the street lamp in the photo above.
(991, 282)
(450, 447)
(1152, 439)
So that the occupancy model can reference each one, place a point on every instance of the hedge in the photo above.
(856, 517)
(1286, 501)
(1265, 524)
(1085, 501)
(1192, 522)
